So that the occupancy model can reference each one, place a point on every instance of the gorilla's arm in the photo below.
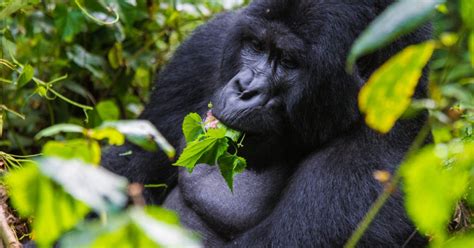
(185, 85)
(328, 196)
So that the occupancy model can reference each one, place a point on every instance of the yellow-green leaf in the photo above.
(87, 150)
(471, 47)
(25, 76)
(55, 211)
(108, 110)
(113, 136)
(435, 179)
(388, 91)
(466, 8)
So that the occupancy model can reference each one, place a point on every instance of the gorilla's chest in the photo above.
(203, 196)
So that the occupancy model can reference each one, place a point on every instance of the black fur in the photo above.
(276, 71)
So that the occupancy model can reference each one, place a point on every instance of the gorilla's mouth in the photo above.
(250, 122)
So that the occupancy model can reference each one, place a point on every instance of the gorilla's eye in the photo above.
(288, 63)
(256, 45)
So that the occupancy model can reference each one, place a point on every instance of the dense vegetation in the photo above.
(70, 70)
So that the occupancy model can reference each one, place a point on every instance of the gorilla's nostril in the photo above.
(247, 95)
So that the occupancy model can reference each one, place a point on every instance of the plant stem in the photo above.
(388, 189)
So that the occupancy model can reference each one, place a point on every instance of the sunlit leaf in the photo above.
(100, 189)
(87, 150)
(388, 92)
(34, 194)
(56, 129)
(205, 151)
(154, 227)
(459, 241)
(12, 7)
(466, 8)
(398, 19)
(192, 127)
(25, 76)
(113, 136)
(142, 133)
(434, 180)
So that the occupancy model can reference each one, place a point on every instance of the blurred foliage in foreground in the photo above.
(438, 178)
(91, 63)
(88, 64)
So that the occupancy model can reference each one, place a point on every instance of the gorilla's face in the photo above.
(283, 70)
(268, 77)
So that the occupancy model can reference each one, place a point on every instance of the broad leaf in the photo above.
(34, 194)
(53, 130)
(12, 7)
(113, 136)
(206, 151)
(142, 133)
(229, 165)
(108, 110)
(100, 189)
(87, 150)
(154, 227)
(471, 47)
(388, 92)
(192, 127)
(434, 181)
(25, 76)
(398, 19)
(69, 22)
(466, 8)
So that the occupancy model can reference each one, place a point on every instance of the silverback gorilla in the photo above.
(276, 71)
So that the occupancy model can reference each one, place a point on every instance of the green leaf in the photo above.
(25, 76)
(192, 127)
(229, 165)
(12, 7)
(108, 110)
(205, 151)
(470, 43)
(97, 187)
(115, 56)
(68, 22)
(435, 179)
(54, 210)
(87, 150)
(53, 130)
(388, 92)
(149, 227)
(466, 7)
(463, 240)
(398, 19)
(142, 133)
(232, 134)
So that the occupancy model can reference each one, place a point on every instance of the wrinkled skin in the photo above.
(276, 71)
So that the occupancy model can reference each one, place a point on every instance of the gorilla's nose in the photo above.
(248, 89)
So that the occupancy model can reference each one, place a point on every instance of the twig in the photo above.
(7, 235)
(388, 190)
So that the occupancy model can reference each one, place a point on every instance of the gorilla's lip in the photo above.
(228, 124)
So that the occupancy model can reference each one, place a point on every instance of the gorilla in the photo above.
(275, 70)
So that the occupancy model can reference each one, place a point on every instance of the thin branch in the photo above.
(7, 235)
(388, 189)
